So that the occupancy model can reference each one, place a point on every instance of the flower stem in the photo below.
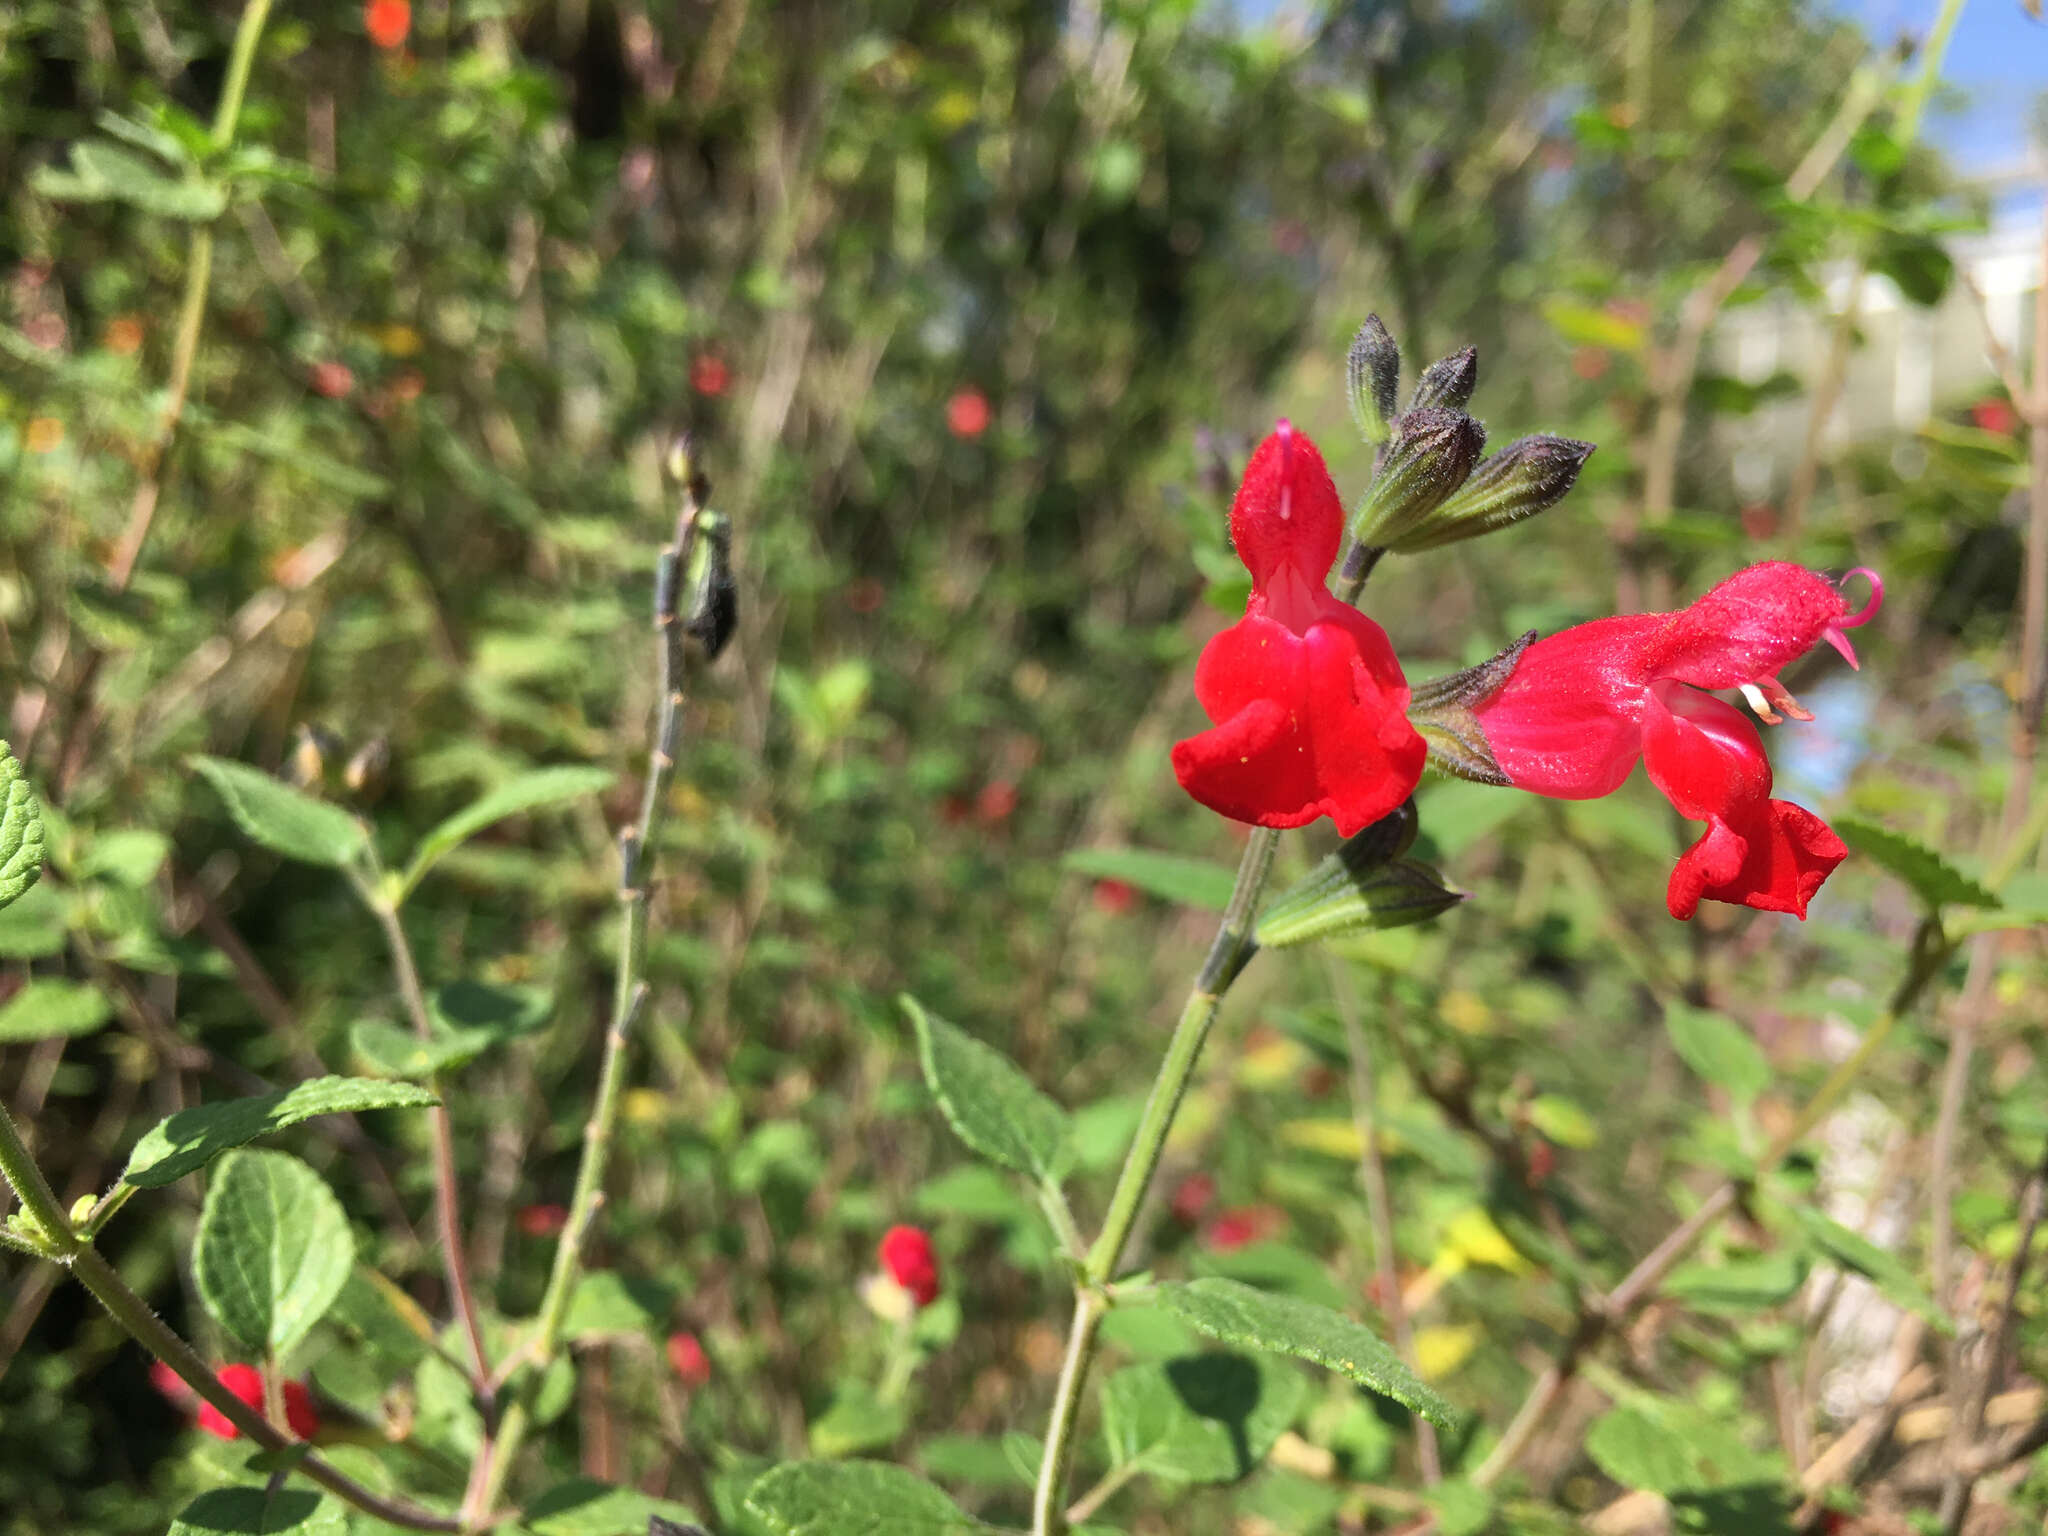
(629, 997)
(40, 1201)
(1227, 956)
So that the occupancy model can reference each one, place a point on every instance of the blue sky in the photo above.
(1998, 58)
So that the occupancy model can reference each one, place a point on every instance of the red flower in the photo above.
(709, 375)
(906, 1253)
(995, 802)
(686, 1356)
(542, 1220)
(1307, 698)
(967, 413)
(246, 1382)
(1191, 1197)
(1242, 1226)
(1584, 704)
(1115, 897)
(1995, 416)
(387, 22)
(331, 379)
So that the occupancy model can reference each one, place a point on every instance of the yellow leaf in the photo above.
(1333, 1138)
(643, 1106)
(1466, 1012)
(397, 340)
(1276, 1061)
(1585, 326)
(1442, 1349)
(1473, 1236)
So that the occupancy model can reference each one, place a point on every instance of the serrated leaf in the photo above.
(194, 1137)
(1887, 1271)
(1718, 1049)
(1936, 881)
(853, 1498)
(585, 1507)
(990, 1104)
(528, 792)
(49, 1007)
(1189, 882)
(280, 817)
(260, 1512)
(1235, 1313)
(272, 1252)
(21, 830)
(1201, 1418)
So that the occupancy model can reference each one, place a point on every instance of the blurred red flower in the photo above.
(996, 801)
(542, 1220)
(1242, 1226)
(906, 1253)
(1191, 1197)
(331, 379)
(687, 1358)
(967, 413)
(1115, 896)
(388, 22)
(1308, 700)
(709, 375)
(1996, 416)
(866, 595)
(246, 1382)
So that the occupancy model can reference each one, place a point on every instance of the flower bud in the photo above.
(1372, 372)
(1431, 454)
(1521, 480)
(687, 1358)
(712, 613)
(1448, 382)
(906, 1253)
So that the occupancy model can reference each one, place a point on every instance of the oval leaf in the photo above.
(585, 1507)
(1235, 1313)
(1718, 1049)
(282, 819)
(1190, 882)
(853, 1498)
(194, 1137)
(1885, 1270)
(273, 1250)
(530, 791)
(1936, 881)
(991, 1105)
(260, 1512)
(50, 1006)
(1199, 1418)
(21, 830)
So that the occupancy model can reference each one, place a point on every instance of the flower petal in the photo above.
(1287, 512)
(1566, 723)
(1787, 854)
(1756, 623)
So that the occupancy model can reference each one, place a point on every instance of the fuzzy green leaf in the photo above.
(1188, 882)
(1235, 1313)
(991, 1105)
(1200, 1418)
(272, 1252)
(1718, 1049)
(21, 830)
(260, 1512)
(528, 792)
(1936, 881)
(1887, 1271)
(49, 1006)
(854, 1498)
(585, 1507)
(281, 818)
(193, 1137)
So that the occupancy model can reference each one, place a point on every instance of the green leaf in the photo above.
(1364, 884)
(127, 857)
(1739, 1285)
(282, 819)
(260, 1512)
(21, 830)
(1718, 1049)
(272, 1252)
(1462, 1508)
(991, 1105)
(585, 1507)
(983, 1460)
(1563, 1121)
(853, 1498)
(1936, 881)
(530, 791)
(857, 1421)
(1237, 1314)
(1189, 882)
(194, 1137)
(1639, 1450)
(103, 171)
(1887, 1271)
(50, 1006)
(607, 1304)
(468, 1018)
(1201, 1418)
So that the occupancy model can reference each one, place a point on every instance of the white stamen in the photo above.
(1760, 704)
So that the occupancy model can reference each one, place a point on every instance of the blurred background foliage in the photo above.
(972, 312)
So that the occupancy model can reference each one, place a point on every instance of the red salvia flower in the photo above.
(1584, 704)
(246, 1382)
(687, 1358)
(388, 22)
(967, 413)
(1308, 698)
(906, 1253)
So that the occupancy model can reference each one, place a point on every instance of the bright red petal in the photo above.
(1306, 725)
(1568, 722)
(1286, 512)
(1755, 624)
(1787, 854)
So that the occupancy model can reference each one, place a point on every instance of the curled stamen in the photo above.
(1868, 611)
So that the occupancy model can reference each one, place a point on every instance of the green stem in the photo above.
(247, 32)
(1227, 956)
(629, 996)
(40, 1201)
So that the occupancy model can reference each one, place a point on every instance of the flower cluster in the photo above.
(1311, 714)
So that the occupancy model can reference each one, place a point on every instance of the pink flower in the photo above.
(1308, 700)
(1996, 416)
(1585, 704)
(330, 379)
(246, 1382)
(906, 1253)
